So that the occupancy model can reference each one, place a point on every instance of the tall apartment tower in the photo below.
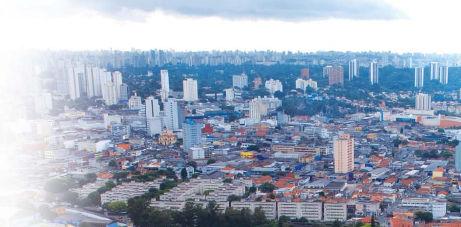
(190, 92)
(335, 75)
(165, 84)
(374, 73)
(343, 147)
(154, 121)
(443, 74)
(353, 69)
(435, 70)
(419, 77)
(192, 134)
(423, 102)
(172, 114)
(304, 73)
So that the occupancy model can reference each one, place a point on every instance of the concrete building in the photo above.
(353, 69)
(419, 77)
(304, 74)
(240, 81)
(192, 132)
(308, 210)
(76, 82)
(269, 208)
(128, 190)
(230, 94)
(259, 107)
(423, 102)
(335, 75)
(165, 84)
(304, 84)
(343, 147)
(190, 92)
(172, 110)
(135, 102)
(334, 211)
(458, 158)
(109, 93)
(374, 73)
(435, 71)
(273, 86)
(437, 207)
(443, 76)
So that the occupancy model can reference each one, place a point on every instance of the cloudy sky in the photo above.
(304, 25)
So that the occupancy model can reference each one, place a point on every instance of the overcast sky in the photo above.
(304, 25)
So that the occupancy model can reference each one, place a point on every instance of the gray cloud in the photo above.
(287, 10)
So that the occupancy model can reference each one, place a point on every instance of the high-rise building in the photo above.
(435, 70)
(336, 75)
(93, 82)
(423, 102)
(419, 77)
(230, 94)
(273, 85)
(76, 82)
(109, 93)
(154, 121)
(374, 73)
(443, 76)
(326, 70)
(303, 84)
(240, 81)
(152, 107)
(117, 79)
(304, 73)
(353, 69)
(458, 158)
(171, 110)
(257, 82)
(123, 92)
(343, 147)
(259, 107)
(135, 102)
(190, 90)
(165, 84)
(192, 131)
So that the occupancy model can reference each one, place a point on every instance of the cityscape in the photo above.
(231, 136)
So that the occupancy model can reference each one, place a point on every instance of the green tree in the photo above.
(117, 206)
(183, 174)
(267, 187)
(423, 216)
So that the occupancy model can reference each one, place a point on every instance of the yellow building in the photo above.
(246, 154)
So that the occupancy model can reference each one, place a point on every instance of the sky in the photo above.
(430, 26)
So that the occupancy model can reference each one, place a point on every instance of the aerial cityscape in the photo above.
(163, 136)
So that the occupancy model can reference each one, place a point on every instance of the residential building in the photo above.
(192, 133)
(343, 147)
(240, 81)
(273, 86)
(165, 84)
(419, 77)
(353, 69)
(435, 71)
(423, 102)
(374, 73)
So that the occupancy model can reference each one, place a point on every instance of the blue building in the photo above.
(192, 133)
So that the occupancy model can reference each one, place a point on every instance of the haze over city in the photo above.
(205, 113)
